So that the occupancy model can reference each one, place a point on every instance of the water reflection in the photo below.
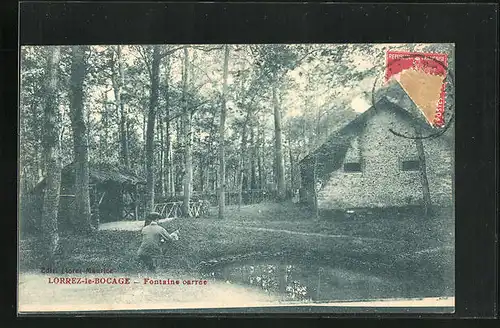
(273, 278)
(302, 281)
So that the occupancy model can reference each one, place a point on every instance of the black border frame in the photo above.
(473, 29)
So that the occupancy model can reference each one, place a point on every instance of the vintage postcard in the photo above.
(236, 177)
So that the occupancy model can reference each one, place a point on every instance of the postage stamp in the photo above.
(422, 76)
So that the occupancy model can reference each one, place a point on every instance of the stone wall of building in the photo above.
(382, 182)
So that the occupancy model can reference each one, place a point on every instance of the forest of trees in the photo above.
(188, 118)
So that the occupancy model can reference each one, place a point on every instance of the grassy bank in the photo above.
(405, 248)
(395, 224)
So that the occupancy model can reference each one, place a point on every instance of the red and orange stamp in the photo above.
(422, 76)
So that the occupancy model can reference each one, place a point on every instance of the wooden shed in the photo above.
(115, 194)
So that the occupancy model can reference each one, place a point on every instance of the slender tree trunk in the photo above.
(179, 157)
(261, 173)
(188, 166)
(253, 183)
(248, 167)
(187, 136)
(216, 181)
(123, 137)
(318, 126)
(241, 163)
(170, 161)
(208, 186)
(168, 156)
(162, 157)
(80, 141)
(260, 157)
(315, 189)
(38, 155)
(153, 103)
(222, 128)
(292, 170)
(105, 123)
(40, 169)
(39, 165)
(203, 164)
(210, 175)
(123, 114)
(144, 128)
(278, 145)
(423, 173)
(50, 237)
(118, 80)
(127, 134)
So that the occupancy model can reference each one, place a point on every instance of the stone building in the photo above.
(365, 165)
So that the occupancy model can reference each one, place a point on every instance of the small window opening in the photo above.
(412, 165)
(352, 167)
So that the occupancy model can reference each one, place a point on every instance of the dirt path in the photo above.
(122, 225)
(126, 225)
(37, 294)
(311, 234)
(137, 225)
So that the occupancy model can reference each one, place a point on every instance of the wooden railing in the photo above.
(175, 209)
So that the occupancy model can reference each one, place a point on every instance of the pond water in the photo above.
(308, 282)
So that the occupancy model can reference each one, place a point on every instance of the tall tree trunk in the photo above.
(162, 156)
(216, 181)
(260, 157)
(187, 136)
(50, 237)
(292, 170)
(203, 164)
(169, 185)
(153, 103)
(103, 147)
(209, 176)
(144, 128)
(179, 157)
(248, 168)
(314, 188)
(423, 173)
(170, 161)
(41, 166)
(118, 79)
(241, 163)
(318, 125)
(80, 140)
(253, 183)
(124, 136)
(222, 128)
(127, 134)
(278, 145)
(38, 155)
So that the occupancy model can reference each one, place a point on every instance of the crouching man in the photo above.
(154, 238)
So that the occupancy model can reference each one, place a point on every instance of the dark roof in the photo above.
(101, 174)
(343, 135)
(105, 173)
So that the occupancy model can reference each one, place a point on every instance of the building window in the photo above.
(411, 165)
(352, 167)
